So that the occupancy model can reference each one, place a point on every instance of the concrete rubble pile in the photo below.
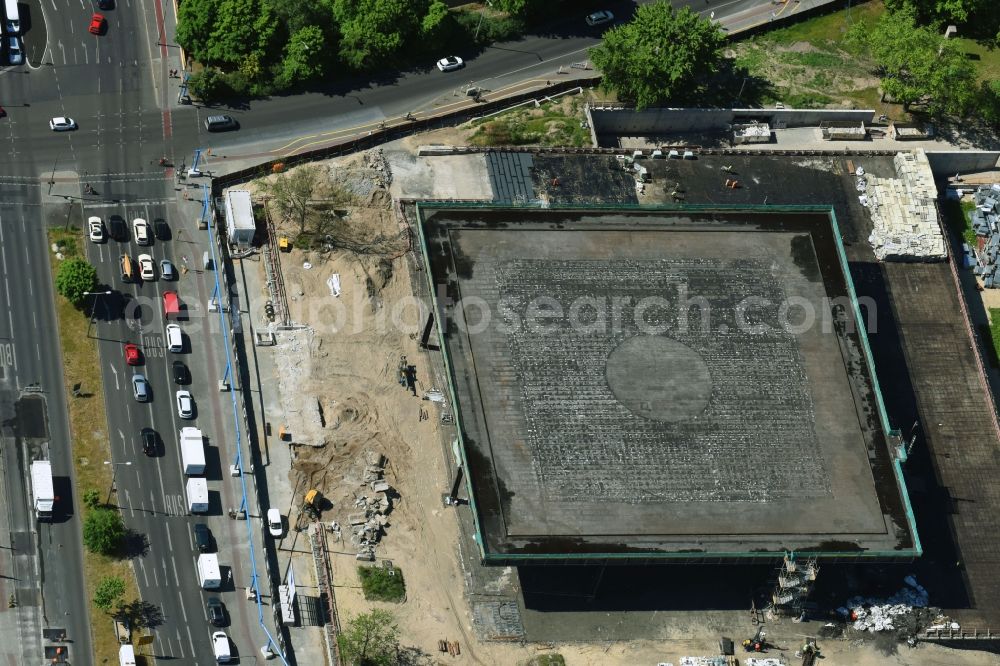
(382, 174)
(906, 611)
(985, 221)
(904, 211)
(368, 524)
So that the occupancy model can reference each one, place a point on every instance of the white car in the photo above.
(220, 647)
(450, 63)
(62, 124)
(146, 270)
(185, 404)
(141, 230)
(599, 18)
(175, 340)
(95, 229)
(274, 523)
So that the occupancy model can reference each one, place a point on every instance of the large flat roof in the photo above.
(661, 383)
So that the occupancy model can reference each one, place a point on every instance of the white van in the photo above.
(175, 341)
(12, 26)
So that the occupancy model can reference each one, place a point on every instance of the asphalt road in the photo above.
(47, 555)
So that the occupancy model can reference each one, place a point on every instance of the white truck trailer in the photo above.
(197, 495)
(209, 574)
(42, 493)
(192, 451)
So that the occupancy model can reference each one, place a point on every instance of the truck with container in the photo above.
(197, 495)
(209, 574)
(192, 451)
(43, 496)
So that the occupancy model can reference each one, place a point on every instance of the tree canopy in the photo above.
(370, 639)
(663, 56)
(103, 531)
(917, 65)
(74, 278)
(978, 17)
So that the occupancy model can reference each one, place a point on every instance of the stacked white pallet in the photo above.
(904, 212)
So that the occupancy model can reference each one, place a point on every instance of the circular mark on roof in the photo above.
(659, 378)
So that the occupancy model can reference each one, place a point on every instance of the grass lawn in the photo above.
(379, 585)
(809, 65)
(89, 429)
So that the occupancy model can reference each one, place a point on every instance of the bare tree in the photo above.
(292, 193)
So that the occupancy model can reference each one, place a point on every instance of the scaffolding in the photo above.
(795, 580)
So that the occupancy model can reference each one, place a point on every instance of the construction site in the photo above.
(615, 414)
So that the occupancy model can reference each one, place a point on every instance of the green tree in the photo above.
(662, 55)
(195, 19)
(209, 85)
(91, 498)
(981, 17)
(370, 639)
(916, 65)
(374, 31)
(434, 19)
(305, 55)
(75, 277)
(109, 592)
(241, 27)
(103, 531)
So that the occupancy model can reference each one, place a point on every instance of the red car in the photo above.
(132, 354)
(97, 24)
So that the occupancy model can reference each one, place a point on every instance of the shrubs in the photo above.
(382, 584)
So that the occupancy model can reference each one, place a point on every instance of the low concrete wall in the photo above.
(948, 163)
(652, 122)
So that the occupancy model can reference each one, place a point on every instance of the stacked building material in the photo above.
(904, 211)
(985, 222)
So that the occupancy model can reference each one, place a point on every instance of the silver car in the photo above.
(167, 271)
(140, 388)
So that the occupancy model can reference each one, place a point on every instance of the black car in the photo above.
(161, 229)
(203, 538)
(105, 4)
(148, 437)
(117, 228)
(181, 375)
(216, 611)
